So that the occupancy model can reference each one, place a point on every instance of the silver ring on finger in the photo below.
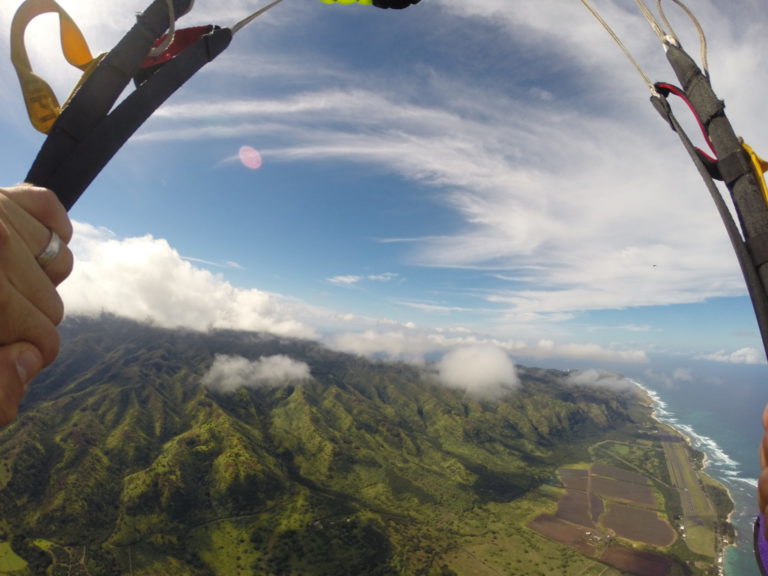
(51, 251)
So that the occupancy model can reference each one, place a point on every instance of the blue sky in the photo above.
(460, 172)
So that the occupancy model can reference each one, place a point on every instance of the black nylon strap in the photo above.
(75, 174)
(734, 166)
(661, 104)
(98, 94)
(743, 253)
(397, 4)
(745, 191)
(758, 248)
(698, 89)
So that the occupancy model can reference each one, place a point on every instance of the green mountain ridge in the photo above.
(123, 462)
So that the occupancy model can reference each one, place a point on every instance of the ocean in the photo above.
(719, 407)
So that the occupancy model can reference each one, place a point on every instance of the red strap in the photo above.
(182, 39)
(665, 89)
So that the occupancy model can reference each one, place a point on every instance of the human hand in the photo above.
(30, 306)
(762, 481)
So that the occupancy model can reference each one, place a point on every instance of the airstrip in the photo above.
(629, 514)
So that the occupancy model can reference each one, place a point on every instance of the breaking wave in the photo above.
(725, 469)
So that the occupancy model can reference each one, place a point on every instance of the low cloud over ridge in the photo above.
(598, 379)
(481, 370)
(229, 373)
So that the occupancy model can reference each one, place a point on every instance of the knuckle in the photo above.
(43, 205)
(66, 231)
(45, 197)
(63, 266)
(69, 260)
(46, 202)
(56, 312)
(51, 210)
(6, 292)
(49, 346)
(5, 235)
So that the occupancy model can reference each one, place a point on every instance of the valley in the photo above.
(123, 462)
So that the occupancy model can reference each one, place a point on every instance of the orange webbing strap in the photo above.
(42, 106)
(760, 166)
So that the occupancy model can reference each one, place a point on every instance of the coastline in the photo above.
(657, 406)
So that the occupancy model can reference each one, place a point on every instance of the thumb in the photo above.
(19, 364)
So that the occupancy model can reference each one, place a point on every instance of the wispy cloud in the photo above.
(683, 375)
(145, 278)
(413, 343)
(567, 189)
(225, 264)
(386, 277)
(558, 218)
(439, 308)
(352, 280)
(622, 328)
(345, 280)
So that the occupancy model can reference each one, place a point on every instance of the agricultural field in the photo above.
(612, 488)
(636, 561)
(639, 525)
(619, 509)
(370, 468)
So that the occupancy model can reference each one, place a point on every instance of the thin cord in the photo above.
(245, 21)
(619, 43)
(699, 30)
(651, 19)
(666, 21)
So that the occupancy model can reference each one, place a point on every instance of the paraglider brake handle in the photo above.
(88, 132)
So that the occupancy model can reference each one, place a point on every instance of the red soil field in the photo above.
(636, 562)
(576, 479)
(638, 494)
(638, 525)
(573, 507)
(598, 507)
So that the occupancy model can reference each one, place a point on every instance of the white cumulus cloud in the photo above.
(481, 370)
(144, 278)
(598, 378)
(741, 356)
(229, 373)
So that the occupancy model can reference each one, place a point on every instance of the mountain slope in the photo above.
(365, 468)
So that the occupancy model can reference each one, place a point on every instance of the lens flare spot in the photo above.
(250, 157)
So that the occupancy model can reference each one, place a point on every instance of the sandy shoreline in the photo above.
(652, 400)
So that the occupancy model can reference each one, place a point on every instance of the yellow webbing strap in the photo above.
(42, 106)
(760, 166)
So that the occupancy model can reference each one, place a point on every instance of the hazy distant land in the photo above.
(124, 462)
